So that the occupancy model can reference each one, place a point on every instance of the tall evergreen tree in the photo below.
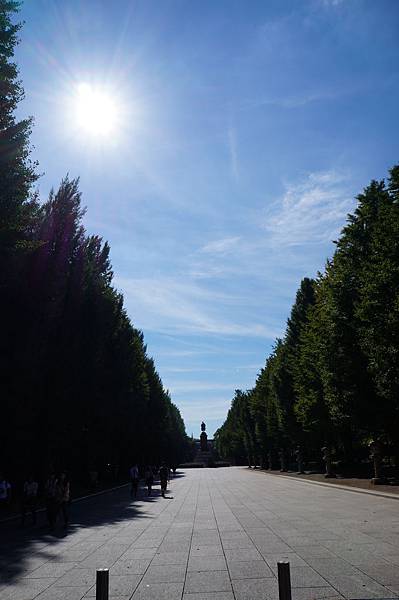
(17, 172)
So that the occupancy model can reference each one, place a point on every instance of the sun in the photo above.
(96, 110)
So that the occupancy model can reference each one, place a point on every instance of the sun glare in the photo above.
(96, 110)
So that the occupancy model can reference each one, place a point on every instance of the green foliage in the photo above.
(17, 173)
(334, 377)
(77, 386)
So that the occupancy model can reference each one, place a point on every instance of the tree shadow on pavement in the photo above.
(22, 550)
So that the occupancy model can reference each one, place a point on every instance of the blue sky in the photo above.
(246, 129)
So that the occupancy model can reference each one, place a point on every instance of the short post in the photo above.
(284, 580)
(102, 584)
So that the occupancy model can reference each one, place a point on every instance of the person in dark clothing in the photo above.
(63, 497)
(164, 476)
(52, 500)
(29, 499)
(149, 479)
(134, 479)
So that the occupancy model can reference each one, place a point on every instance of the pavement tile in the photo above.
(318, 593)
(206, 550)
(306, 577)
(209, 596)
(361, 586)
(51, 569)
(232, 544)
(26, 589)
(255, 569)
(275, 547)
(207, 563)
(158, 591)
(332, 566)
(315, 551)
(28, 565)
(77, 577)
(143, 542)
(63, 593)
(255, 589)
(174, 547)
(133, 566)
(213, 540)
(137, 553)
(170, 558)
(386, 575)
(243, 554)
(394, 589)
(294, 559)
(233, 534)
(210, 581)
(119, 585)
(165, 574)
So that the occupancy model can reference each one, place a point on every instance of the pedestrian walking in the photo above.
(164, 476)
(5, 493)
(64, 497)
(149, 479)
(29, 499)
(134, 478)
(51, 491)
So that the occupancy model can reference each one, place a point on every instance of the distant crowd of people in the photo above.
(149, 474)
(55, 493)
(56, 496)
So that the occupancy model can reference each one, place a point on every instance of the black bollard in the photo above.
(284, 580)
(102, 584)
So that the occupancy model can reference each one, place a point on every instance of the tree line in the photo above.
(78, 389)
(333, 379)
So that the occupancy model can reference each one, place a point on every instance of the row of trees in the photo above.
(77, 387)
(333, 380)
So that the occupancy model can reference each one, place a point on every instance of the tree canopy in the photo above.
(334, 377)
(78, 388)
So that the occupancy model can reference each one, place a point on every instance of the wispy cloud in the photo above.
(171, 305)
(331, 2)
(311, 211)
(210, 369)
(198, 386)
(295, 100)
(232, 146)
(216, 408)
(221, 246)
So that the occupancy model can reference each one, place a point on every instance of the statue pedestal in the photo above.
(204, 441)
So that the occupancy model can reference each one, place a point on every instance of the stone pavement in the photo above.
(219, 538)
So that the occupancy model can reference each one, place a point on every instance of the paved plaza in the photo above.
(218, 538)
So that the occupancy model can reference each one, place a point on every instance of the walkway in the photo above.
(219, 538)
